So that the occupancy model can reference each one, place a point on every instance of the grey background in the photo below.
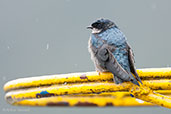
(39, 37)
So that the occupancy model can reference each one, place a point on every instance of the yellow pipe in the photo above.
(146, 94)
(103, 99)
(119, 94)
(123, 96)
(155, 73)
(83, 88)
(158, 84)
(83, 101)
(56, 79)
(150, 73)
(88, 85)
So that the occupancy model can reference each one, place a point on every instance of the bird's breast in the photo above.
(96, 42)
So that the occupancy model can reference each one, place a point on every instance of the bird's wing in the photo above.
(131, 62)
(106, 58)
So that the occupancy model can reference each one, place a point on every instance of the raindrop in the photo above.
(36, 19)
(154, 6)
(47, 46)
(8, 48)
(76, 65)
(3, 78)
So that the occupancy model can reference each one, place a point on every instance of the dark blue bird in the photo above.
(110, 52)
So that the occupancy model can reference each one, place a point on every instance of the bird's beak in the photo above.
(89, 27)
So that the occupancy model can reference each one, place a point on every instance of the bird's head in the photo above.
(101, 25)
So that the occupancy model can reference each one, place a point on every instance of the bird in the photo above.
(111, 52)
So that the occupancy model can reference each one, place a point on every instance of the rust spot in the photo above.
(92, 91)
(83, 76)
(98, 92)
(85, 104)
(9, 99)
(109, 104)
(157, 77)
(58, 104)
(160, 88)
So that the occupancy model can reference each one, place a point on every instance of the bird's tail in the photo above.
(133, 79)
(115, 68)
(118, 80)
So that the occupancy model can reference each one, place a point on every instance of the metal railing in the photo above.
(91, 89)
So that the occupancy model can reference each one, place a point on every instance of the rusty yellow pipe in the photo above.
(89, 85)
(83, 101)
(158, 84)
(122, 96)
(83, 88)
(23, 97)
(56, 79)
(146, 94)
(119, 94)
(150, 73)
(155, 73)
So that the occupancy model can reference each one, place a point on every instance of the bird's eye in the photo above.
(97, 25)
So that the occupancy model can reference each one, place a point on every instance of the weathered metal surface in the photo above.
(91, 89)
(152, 73)
(84, 101)
(146, 94)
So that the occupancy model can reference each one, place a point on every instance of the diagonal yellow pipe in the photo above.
(146, 94)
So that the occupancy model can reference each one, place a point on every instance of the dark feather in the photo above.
(131, 62)
(108, 61)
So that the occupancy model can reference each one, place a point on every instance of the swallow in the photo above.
(111, 52)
